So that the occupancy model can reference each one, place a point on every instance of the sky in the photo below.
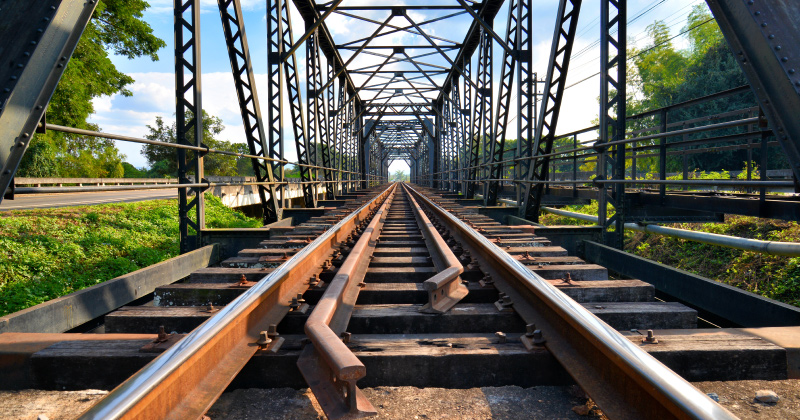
(153, 91)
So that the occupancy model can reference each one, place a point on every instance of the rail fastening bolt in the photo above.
(651, 338)
(346, 337)
(529, 330)
(272, 331)
(263, 340)
(501, 337)
(162, 334)
(538, 337)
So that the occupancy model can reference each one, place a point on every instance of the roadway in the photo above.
(39, 201)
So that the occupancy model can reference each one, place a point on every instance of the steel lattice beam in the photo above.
(554, 84)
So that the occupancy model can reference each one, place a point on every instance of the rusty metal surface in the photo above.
(186, 379)
(625, 381)
(445, 288)
(328, 366)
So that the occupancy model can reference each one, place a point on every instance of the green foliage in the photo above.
(52, 252)
(117, 27)
(164, 160)
(776, 277)
(133, 172)
(291, 171)
(772, 276)
(399, 176)
(665, 76)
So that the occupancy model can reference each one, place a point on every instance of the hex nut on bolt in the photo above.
(650, 338)
(538, 338)
(263, 340)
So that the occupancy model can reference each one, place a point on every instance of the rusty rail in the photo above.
(329, 367)
(445, 288)
(624, 380)
(185, 380)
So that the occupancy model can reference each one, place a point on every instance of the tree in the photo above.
(664, 76)
(116, 26)
(399, 176)
(164, 160)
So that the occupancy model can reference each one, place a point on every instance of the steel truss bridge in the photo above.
(440, 105)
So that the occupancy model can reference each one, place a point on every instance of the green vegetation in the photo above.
(116, 27)
(164, 161)
(772, 276)
(399, 176)
(53, 252)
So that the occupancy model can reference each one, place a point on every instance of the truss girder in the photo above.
(554, 85)
(249, 106)
(188, 123)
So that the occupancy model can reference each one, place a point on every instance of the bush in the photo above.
(48, 253)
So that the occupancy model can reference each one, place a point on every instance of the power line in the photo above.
(649, 49)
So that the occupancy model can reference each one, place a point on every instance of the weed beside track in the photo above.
(47, 253)
(773, 276)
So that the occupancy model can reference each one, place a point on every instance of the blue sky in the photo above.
(154, 87)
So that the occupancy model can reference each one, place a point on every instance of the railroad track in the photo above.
(400, 286)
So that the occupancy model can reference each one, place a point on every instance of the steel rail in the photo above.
(444, 288)
(185, 380)
(624, 380)
(341, 366)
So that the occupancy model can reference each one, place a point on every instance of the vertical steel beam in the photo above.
(554, 84)
(339, 137)
(611, 161)
(313, 85)
(330, 138)
(484, 99)
(469, 133)
(275, 92)
(189, 122)
(526, 96)
(295, 106)
(239, 54)
(509, 65)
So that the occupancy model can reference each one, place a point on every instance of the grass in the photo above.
(47, 253)
(772, 276)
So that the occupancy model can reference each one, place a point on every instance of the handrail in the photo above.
(445, 288)
(789, 249)
(185, 379)
(624, 380)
